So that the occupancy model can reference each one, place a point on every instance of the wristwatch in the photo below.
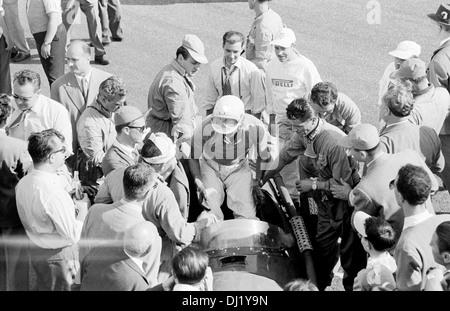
(314, 184)
(46, 43)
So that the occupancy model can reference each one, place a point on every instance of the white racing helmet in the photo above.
(228, 107)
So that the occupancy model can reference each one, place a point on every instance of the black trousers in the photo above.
(5, 72)
(53, 65)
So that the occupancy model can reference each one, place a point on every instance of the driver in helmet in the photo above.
(221, 151)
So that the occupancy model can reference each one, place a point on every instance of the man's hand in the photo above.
(304, 185)
(257, 194)
(45, 50)
(341, 190)
(206, 219)
(90, 190)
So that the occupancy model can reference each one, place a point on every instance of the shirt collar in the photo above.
(396, 123)
(139, 262)
(413, 220)
(236, 64)
(128, 150)
(178, 67)
(37, 107)
(87, 76)
(444, 41)
(381, 154)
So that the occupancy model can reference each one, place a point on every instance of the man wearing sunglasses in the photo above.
(372, 194)
(130, 127)
(36, 112)
(51, 217)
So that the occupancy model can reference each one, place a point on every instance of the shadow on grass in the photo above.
(167, 2)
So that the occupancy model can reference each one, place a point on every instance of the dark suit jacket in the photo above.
(15, 161)
(108, 268)
(116, 157)
(66, 91)
(179, 185)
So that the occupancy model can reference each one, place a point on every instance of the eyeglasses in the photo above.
(392, 184)
(23, 99)
(63, 150)
(141, 129)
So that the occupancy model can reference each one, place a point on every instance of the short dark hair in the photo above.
(324, 94)
(111, 87)
(233, 37)
(380, 233)
(150, 150)
(414, 184)
(189, 265)
(300, 109)
(5, 107)
(26, 76)
(443, 234)
(399, 100)
(121, 126)
(42, 144)
(136, 178)
(183, 52)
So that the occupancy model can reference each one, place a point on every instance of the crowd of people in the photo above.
(104, 197)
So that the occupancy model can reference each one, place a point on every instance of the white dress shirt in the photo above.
(45, 114)
(47, 211)
(246, 83)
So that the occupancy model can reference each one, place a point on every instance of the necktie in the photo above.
(17, 121)
(226, 86)
(84, 87)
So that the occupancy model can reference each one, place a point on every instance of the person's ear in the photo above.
(363, 155)
(446, 257)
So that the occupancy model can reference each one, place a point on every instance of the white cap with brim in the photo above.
(362, 137)
(195, 48)
(406, 49)
(285, 38)
(359, 222)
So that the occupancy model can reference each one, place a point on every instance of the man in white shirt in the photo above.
(51, 217)
(232, 74)
(36, 112)
(289, 76)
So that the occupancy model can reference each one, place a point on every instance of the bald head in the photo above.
(78, 57)
(139, 239)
